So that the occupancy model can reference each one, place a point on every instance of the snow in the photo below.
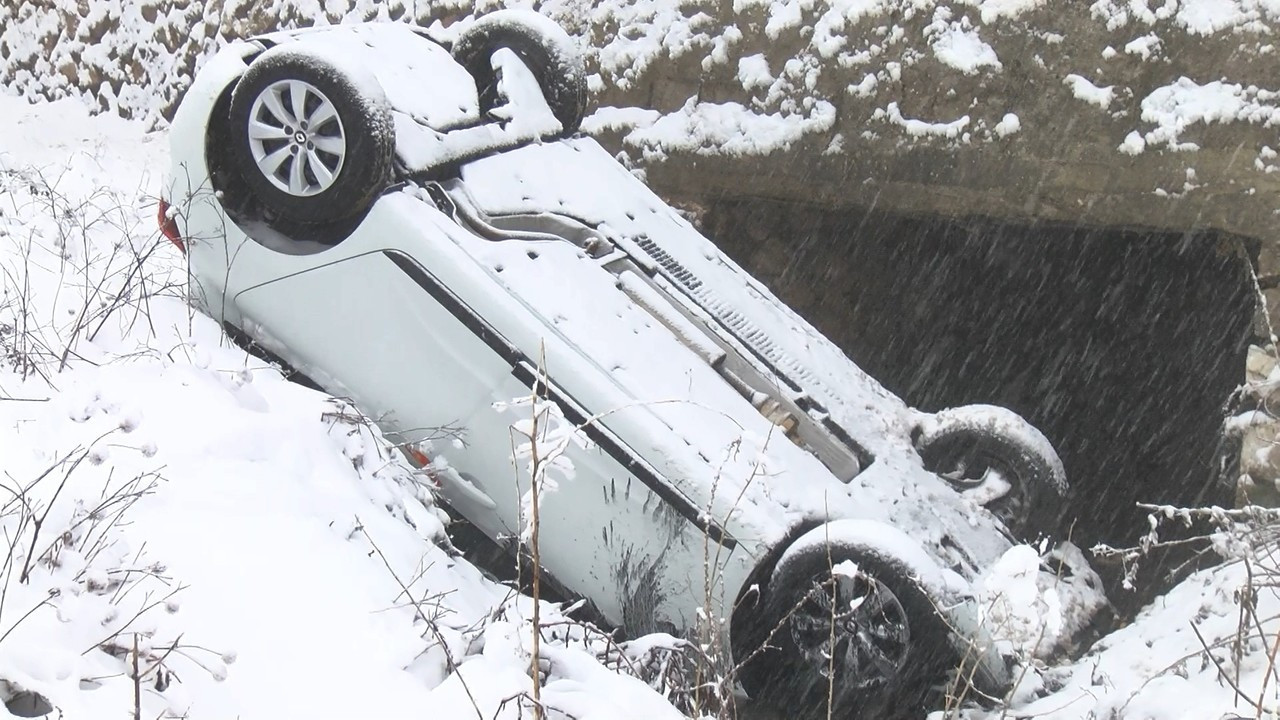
(1012, 600)
(997, 421)
(648, 31)
(963, 49)
(1205, 17)
(1118, 13)
(866, 88)
(272, 504)
(916, 127)
(995, 10)
(1008, 125)
(1199, 17)
(525, 112)
(617, 119)
(873, 537)
(1084, 89)
(641, 37)
(1176, 107)
(958, 45)
(854, 33)
(783, 14)
(828, 37)
(727, 128)
(1144, 47)
(1156, 667)
(363, 52)
(1262, 161)
(631, 41)
(1133, 144)
(753, 72)
(267, 537)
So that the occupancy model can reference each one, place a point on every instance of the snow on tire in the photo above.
(312, 139)
(544, 47)
(997, 458)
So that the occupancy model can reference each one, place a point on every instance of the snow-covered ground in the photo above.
(172, 505)
(259, 553)
(1206, 650)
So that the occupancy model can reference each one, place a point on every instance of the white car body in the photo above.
(686, 489)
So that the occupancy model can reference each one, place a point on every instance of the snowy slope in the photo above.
(1158, 668)
(1206, 650)
(252, 545)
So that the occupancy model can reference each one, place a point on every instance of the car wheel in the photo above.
(882, 657)
(994, 456)
(313, 143)
(546, 49)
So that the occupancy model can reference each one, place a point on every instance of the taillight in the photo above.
(420, 460)
(169, 226)
(416, 456)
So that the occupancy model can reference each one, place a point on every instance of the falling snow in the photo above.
(255, 471)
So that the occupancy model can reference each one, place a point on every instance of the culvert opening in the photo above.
(1122, 345)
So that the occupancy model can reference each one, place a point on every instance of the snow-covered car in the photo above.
(408, 217)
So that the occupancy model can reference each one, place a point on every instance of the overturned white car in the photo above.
(412, 222)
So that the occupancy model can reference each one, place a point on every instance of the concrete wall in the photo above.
(1122, 346)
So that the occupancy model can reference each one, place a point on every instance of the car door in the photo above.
(363, 328)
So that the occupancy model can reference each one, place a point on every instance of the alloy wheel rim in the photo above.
(871, 635)
(296, 138)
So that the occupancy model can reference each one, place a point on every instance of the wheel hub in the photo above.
(852, 630)
(296, 138)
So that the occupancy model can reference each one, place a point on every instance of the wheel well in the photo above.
(215, 137)
(224, 176)
(752, 592)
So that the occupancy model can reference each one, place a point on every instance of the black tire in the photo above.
(546, 49)
(961, 444)
(362, 120)
(782, 674)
